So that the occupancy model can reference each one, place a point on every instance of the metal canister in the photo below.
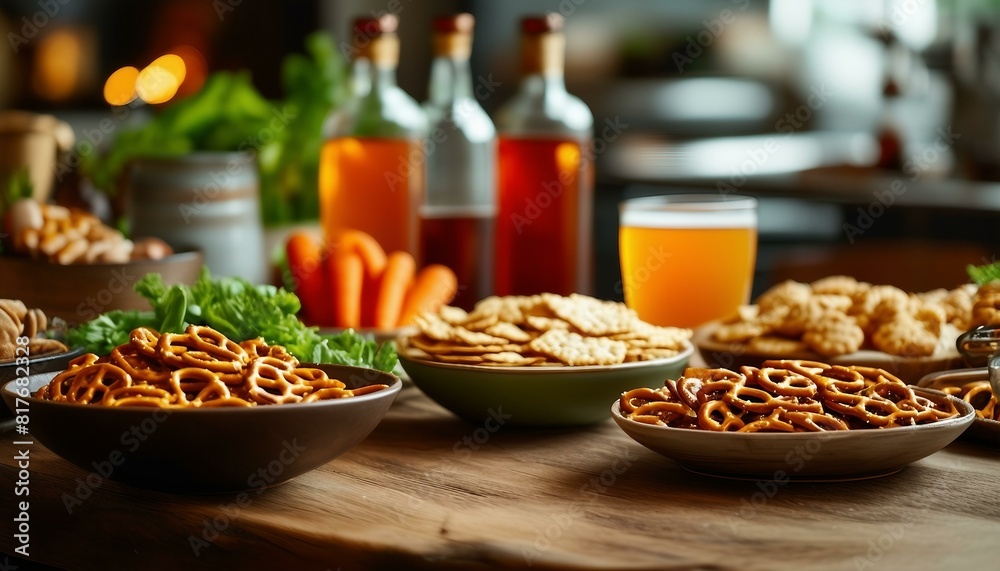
(204, 201)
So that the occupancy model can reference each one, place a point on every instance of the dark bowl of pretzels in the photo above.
(788, 420)
(199, 413)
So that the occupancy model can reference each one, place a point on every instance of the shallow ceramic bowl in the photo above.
(209, 450)
(835, 455)
(983, 430)
(80, 292)
(41, 364)
(536, 396)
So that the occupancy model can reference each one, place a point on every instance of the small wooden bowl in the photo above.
(81, 292)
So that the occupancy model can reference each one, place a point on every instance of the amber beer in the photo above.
(687, 259)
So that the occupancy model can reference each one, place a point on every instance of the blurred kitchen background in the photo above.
(869, 129)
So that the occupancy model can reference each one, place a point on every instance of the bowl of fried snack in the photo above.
(841, 320)
(542, 360)
(73, 266)
(24, 346)
(196, 412)
(972, 386)
(791, 420)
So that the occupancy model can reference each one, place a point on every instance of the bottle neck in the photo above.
(543, 54)
(451, 80)
(541, 85)
(367, 77)
(374, 68)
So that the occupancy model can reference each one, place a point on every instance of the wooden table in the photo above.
(426, 490)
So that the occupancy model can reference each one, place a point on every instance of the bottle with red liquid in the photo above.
(545, 191)
(459, 209)
(371, 174)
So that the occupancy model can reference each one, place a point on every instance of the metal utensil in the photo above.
(981, 347)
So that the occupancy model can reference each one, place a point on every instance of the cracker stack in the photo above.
(541, 330)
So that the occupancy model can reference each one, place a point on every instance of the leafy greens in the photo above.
(239, 310)
(984, 274)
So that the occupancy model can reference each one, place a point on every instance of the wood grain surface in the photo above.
(427, 490)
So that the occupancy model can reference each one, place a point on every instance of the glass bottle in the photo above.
(544, 219)
(459, 209)
(372, 165)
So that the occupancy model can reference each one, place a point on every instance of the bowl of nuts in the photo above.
(71, 265)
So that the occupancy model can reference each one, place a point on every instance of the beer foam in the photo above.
(689, 219)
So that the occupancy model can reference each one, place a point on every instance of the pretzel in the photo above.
(784, 396)
(652, 407)
(140, 367)
(980, 396)
(191, 370)
(92, 383)
(145, 340)
(203, 347)
(718, 416)
(257, 347)
(268, 383)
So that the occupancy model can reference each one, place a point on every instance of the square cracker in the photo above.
(592, 316)
(574, 349)
(510, 332)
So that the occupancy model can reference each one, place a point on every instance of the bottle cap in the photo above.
(369, 26)
(455, 24)
(375, 39)
(548, 23)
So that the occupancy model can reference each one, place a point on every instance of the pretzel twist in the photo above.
(198, 368)
(785, 396)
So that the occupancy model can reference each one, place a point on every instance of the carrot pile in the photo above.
(353, 283)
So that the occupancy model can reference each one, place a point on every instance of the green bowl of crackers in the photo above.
(539, 361)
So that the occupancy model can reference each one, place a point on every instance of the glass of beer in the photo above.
(687, 259)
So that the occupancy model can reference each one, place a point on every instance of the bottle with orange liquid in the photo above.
(372, 165)
(543, 234)
(459, 209)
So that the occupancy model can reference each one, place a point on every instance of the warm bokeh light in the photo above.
(120, 87)
(58, 65)
(196, 69)
(159, 81)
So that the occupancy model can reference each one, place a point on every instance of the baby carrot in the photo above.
(305, 261)
(361, 243)
(434, 286)
(346, 279)
(373, 259)
(395, 281)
